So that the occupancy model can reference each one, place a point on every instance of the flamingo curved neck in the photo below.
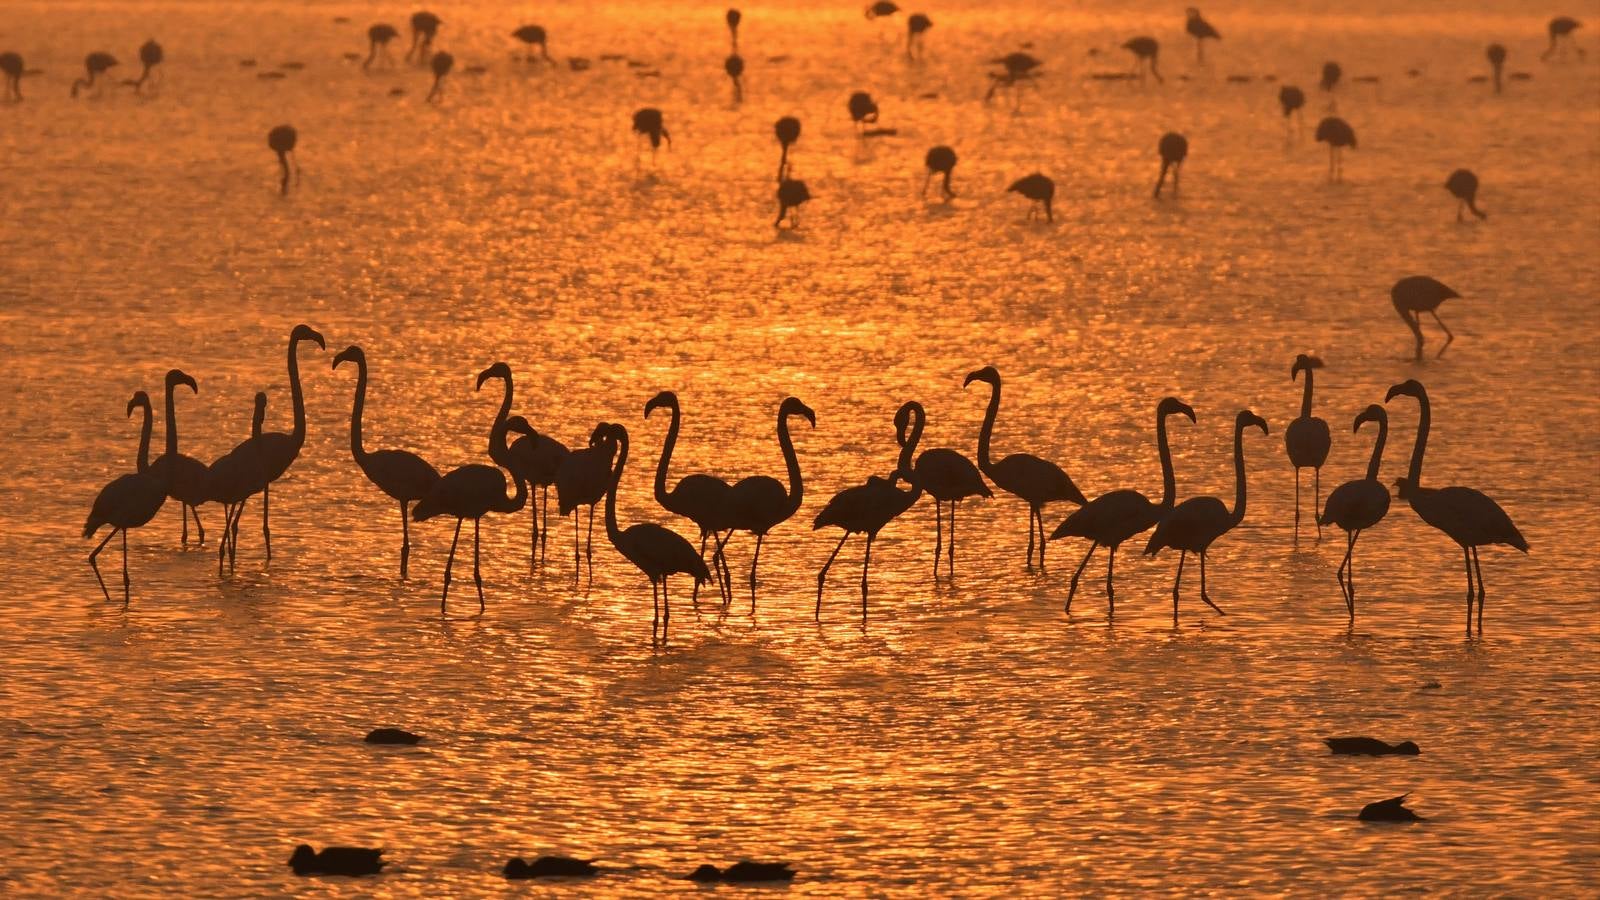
(356, 448)
(1238, 474)
(666, 457)
(909, 448)
(497, 433)
(144, 440)
(1377, 451)
(612, 531)
(1421, 446)
(295, 395)
(790, 461)
(1305, 398)
(172, 424)
(987, 430)
(1168, 482)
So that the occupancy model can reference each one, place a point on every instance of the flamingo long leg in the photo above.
(96, 566)
(1073, 590)
(822, 576)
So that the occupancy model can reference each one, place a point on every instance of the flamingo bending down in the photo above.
(424, 28)
(378, 38)
(940, 160)
(534, 36)
(404, 476)
(1466, 516)
(581, 480)
(1019, 67)
(94, 65)
(186, 478)
(1293, 100)
(1024, 475)
(1358, 505)
(863, 110)
(916, 27)
(1496, 54)
(702, 499)
(1201, 30)
(760, 503)
(1196, 523)
(1331, 73)
(788, 131)
(150, 56)
(1174, 149)
(1418, 294)
(733, 17)
(1463, 185)
(648, 122)
(1337, 134)
(734, 66)
(235, 477)
(282, 140)
(881, 8)
(792, 194)
(12, 67)
(1146, 54)
(1110, 519)
(1561, 29)
(441, 63)
(129, 501)
(1308, 441)
(1038, 188)
(950, 478)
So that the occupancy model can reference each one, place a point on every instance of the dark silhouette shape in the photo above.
(581, 480)
(760, 503)
(916, 27)
(1174, 149)
(534, 36)
(424, 28)
(653, 550)
(1146, 55)
(392, 736)
(1196, 523)
(1496, 55)
(1293, 101)
(539, 459)
(1038, 188)
(703, 499)
(1111, 519)
(549, 867)
(940, 160)
(441, 63)
(788, 131)
(744, 871)
(352, 861)
(187, 479)
(1308, 441)
(282, 141)
(1331, 73)
(1019, 67)
(378, 38)
(1358, 505)
(404, 476)
(129, 501)
(733, 17)
(1463, 185)
(881, 8)
(95, 65)
(867, 508)
(1390, 810)
(1201, 31)
(1466, 516)
(12, 67)
(1337, 134)
(150, 56)
(648, 123)
(734, 66)
(950, 478)
(1418, 294)
(792, 194)
(235, 477)
(1034, 480)
(475, 490)
(863, 110)
(278, 451)
(1561, 29)
(1365, 746)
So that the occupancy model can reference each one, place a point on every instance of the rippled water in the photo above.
(969, 736)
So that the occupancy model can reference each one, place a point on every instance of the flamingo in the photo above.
(867, 508)
(792, 194)
(1496, 54)
(95, 65)
(881, 9)
(401, 474)
(278, 451)
(648, 122)
(863, 110)
(12, 67)
(702, 499)
(1307, 441)
(1174, 148)
(1201, 31)
(1337, 134)
(1561, 29)
(916, 27)
(1331, 73)
(1146, 53)
(948, 477)
(1019, 67)
(1110, 519)
(1196, 523)
(1466, 516)
(1293, 100)
(129, 501)
(733, 17)
(186, 478)
(788, 131)
(1359, 504)
(150, 56)
(534, 36)
(441, 64)
(424, 28)
(734, 66)
(474, 490)
(654, 550)
(1024, 475)
(378, 38)
(940, 160)
(581, 479)
(760, 503)
(1038, 188)
(235, 477)
(1418, 294)
(282, 141)
(1463, 185)
(539, 458)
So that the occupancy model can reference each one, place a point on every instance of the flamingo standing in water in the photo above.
(1146, 55)
(129, 501)
(1019, 67)
(1418, 294)
(881, 9)
(787, 130)
(1293, 101)
(863, 110)
(1023, 475)
(734, 66)
(1463, 185)
(703, 499)
(150, 56)
(792, 194)
(1466, 516)
(401, 474)
(1358, 505)
(441, 63)
(1308, 442)
(1337, 134)
(581, 480)
(1174, 149)
(1496, 54)
(948, 477)
(94, 65)
(534, 36)
(278, 450)
(940, 160)
(1195, 524)
(187, 479)
(1201, 30)
(235, 477)
(1561, 29)
(1111, 519)
(648, 122)
(539, 458)
(916, 27)
(378, 38)
(282, 141)
(733, 17)
(760, 503)
(1038, 188)
(12, 67)
(424, 28)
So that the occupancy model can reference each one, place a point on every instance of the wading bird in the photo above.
(1038, 188)
(187, 479)
(277, 451)
(863, 110)
(378, 38)
(648, 123)
(1358, 505)
(424, 28)
(1337, 134)
(94, 65)
(733, 17)
(941, 160)
(705, 500)
(867, 508)
(441, 64)
(533, 36)
(235, 477)
(792, 194)
(581, 480)
(1174, 148)
(949, 478)
(539, 458)
(129, 501)
(734, 66)
(1463, 185)
(1019, 67)
(1293, 100)
(1561, 29)
(760, 503)
(881, 9)
(916, 26)
(150, 56)
(282, 140)
(1201, 30)
(1308, 441)
(1331, 73)
(1418, 294)
(1496, 54)
(12, 67)
(787, 130)
(1146, 55)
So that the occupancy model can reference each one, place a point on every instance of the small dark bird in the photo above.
(11, 66)
(792, 194)
(378, 38)
(1201, 31)
(351, 861)
(549, 867)
(282, 141)
(1365, 746)
(1146, 53)
(1561, 29)
(1496, 54)
(150, 56)
(391, 736)
(733, 18)
(1463, 185)
(744, 871)
(1038, 188)
(1331, 73)
(916, 27)
(863, 110)
(940, 160)
(1418, 294)
(424, 28)
(649, 123)
(1174, 148)
(1337, 134)
(787, 130)
(441, 63)
(734, 66)
(534, 36)
(881, 8)
(1390, 810)
(95, 65)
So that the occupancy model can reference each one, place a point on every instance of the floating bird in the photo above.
(235, 477)
(336, 861)
(916, 26)
(1034, 480)
(787, 130)
(1111, 519)
(1331, 73)
(1146, 53)
(1496, 54)
(1466, 516)
(441, 64)
(1201, 31)
(792, 193)
(1337, 134)
(12, 67)
(1174, 148)
(648, 122)
(392, 736)
(95, 65)
(867, 508)
(129, 501)
(733, 17)
(1308, 441)
(1365, 746)
(760, 503)
(703, 499)
(549, 867)
(401, 474)
(881, 8)
(1358, 505)
(1561, 29)
(378, 38)
(187, 479)
(277, 450)
(1293, 100)
(1418, 294)
(1038, 188)
(1390, 810)
(1463, 185)
(734, 66)
(744, 871)
(150, 56)
(863, 110)
(581, 480)
(940, 160)
(1196, 523)
(949, 478)
(424, 28)
(534, 36)
(539, 459)
(282, 141)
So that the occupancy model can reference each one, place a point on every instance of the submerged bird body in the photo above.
(352, 861)
(1391, 810)
(549, 867)
(1365, 746)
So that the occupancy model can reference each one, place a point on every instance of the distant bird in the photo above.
(648, 122)
(404, 476)
(129, 501)
(881, 8)
(940, 160)
(792, 194)
(1111, 519)
(1466, 516)
(1174, 148)
(1365, 746)
(1308, 441)
(581, 480)
(867, 508)
(1496, 54)
(916, 26)
(744, 871)
(1358, 505)
(424, 28)
(378, 38)
(1463, 185)
(705, 500)
(187, 479)
(336, 861)
(234, 478)
(655, 551)
(761, 503)
(534, 36)
(1018, 67)
(150, 56)
(1418, 294)
(1036, 481)
(1195, 524)
(734, 66)
(1201, 31)
(1146, 54)
(441, 64)
(1293, 100)
(863, 110)
(12, 67)
(282, 141)
(1337, 134)
(395, 736)
(94, 65)
(787, 130)
(948, 477)
(277, 450)
(1331, 73)
(1391, 810)
(1038, 188)
(733, 17)
(549, 867)
(539, 458)
(1561, 29)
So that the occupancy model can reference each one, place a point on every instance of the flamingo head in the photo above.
(665, 398)
(176, 377)
(986, 374)
(601, 434)
(351, 353)
(1247, 418)
(1304, 363)
(908, 419)
(520, 425)
(1402, 487)
(793, 407)
(1373, 413)
(1408, 388)
(307, 333)
(499, 370)
(1172, 405)
(140, 399)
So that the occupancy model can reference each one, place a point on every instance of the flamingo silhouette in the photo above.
(1337, 134)
(863, 110)
(760, 503)
(1466, 516)
(916, 27)
(282, 141)
(1561, 29)
(733, 17)
(129, 501)
(940, 160)
(1496, 55)
(187, 479)
(1019, 67)
(1174, 148)
(534, 36)
(792, 194)
(1359, 504)
(278, 451)
(703, 499)
(441, 63)
(474, 490)
(648, 122)
(150, 56)
(1146, 54)
(378, 38)
(95, 65)
(950, 478)
(1038, 188)
(1418, 294)
(1307, 441)
(1463, 185)
(1293, 100)
(424, 28)
(1023, 475)
(788, 131)
(734, 66)
(653, 550)
(581, 479)
(539, 459)
(881, 9)
(404, 476)
(867, 508)
(235, 477)
(1201, 31)
(1196, 523)
(12, 67)
(1331, 73)
(1110, 519)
